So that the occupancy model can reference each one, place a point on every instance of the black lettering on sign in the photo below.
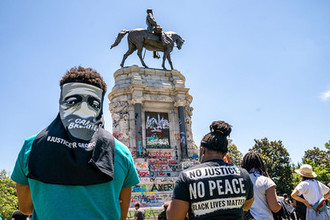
(162, 187)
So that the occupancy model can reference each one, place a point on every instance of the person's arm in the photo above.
(24, 199)
(271, 198)
(248, 203)
(125, 198)
(295, 196)
(177, 210)
(327, 195)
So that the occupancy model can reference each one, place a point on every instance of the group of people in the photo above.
(217, 190)
(75, 169)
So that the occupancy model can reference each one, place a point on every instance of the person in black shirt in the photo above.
(213, 189)
(139, 214)
(162, 215)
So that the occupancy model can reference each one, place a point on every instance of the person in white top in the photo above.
(265, 197)
(313, 191)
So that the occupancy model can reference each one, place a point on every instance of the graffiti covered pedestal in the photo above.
(151, 115)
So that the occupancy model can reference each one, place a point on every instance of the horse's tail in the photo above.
(119, 37)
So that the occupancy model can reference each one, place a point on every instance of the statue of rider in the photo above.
(154, 28)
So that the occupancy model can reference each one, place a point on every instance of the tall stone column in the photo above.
(183, 133)
(138, 129)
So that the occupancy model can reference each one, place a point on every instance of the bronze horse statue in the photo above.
(141, 38)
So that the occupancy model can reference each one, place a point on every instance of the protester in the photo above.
(313, 192)
(162, 215)
(139, 214)
(288, 207)
(212, 189)
(265, 198)
(300, 209)
(287, 199)
(18, 215)
(74, 169)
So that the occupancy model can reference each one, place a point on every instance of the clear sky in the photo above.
(263, 66)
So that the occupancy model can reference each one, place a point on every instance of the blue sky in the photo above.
(262, 66)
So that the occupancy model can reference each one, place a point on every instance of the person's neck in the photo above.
(214, 156)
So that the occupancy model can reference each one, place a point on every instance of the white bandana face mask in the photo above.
(81, 109)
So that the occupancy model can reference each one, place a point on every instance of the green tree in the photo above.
(327, 145)
(317, 156)
(277, 163)
(8, 197)
(234, 154)
(320, 161)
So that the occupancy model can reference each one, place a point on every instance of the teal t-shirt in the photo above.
(99, 201)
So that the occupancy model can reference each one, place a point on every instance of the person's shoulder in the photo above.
(28, 144)
(121, 149)
(30, 140)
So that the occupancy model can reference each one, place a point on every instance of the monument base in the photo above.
(151, 114)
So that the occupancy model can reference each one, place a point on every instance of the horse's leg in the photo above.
(169, 60)
(131, 49)
(139, 53)
(166, 54)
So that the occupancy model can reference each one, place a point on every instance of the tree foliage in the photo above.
(8, 197)
(327, 145)
(234, 154)
(317, 156)
(320, 161)
(277, 162)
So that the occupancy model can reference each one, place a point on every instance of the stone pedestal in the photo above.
(151, 115)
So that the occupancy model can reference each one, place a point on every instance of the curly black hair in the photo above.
(253, 160)
(217, 139)
(84, 75)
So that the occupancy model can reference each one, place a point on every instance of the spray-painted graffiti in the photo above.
(177, 137)
(162, 187)
(182, 138)
(154, 187)
(156, 122)
(143, 173)
(155, 142)
(140, 188)
(163, 173)
(139, 149)
(160, 154)
(161, 161)
(149, 199)
(141, 166)
(148, 180)
(157, 130)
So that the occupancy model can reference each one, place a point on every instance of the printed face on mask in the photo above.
(80, 108)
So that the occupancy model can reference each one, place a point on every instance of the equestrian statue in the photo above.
(153, 38)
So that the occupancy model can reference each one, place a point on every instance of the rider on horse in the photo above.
(155, 29)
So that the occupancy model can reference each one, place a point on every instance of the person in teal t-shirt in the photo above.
(74, 169)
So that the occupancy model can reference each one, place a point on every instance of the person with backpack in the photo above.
(315, 194)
